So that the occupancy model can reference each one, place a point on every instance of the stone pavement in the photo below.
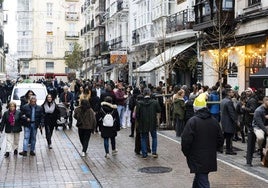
(64, 167)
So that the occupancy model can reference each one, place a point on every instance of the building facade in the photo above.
(47, 31)
(3, 46)
(239, 49)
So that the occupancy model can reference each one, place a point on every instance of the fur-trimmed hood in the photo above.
(114, 106)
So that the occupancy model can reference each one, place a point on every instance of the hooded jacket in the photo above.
(146, 113)
(201, 138)
(108, 132)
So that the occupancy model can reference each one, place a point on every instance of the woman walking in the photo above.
(12, 125)
(86, 123)
(51, 114)
(179, 112)
(109, 132)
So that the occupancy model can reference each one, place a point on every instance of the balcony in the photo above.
(180, 21)
(122, 5)
(116, 43)
(71, 35)
(72, 0)
(86, 4)
(135, 37)
(71, 16)
(207, 15)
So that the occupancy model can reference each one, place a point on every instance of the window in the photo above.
(49, 47)
(253, 2)
(49, 66)
(49, 9)
(26, 64)
(71, 46)
(227, 4)
(49, 27)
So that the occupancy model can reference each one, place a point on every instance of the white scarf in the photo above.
(49, 109)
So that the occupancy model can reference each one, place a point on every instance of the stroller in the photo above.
(64, 116)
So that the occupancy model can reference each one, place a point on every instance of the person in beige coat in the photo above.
(86, 123)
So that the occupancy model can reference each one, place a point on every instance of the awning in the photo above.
(106, 68)
(259, 79)
(163, 58)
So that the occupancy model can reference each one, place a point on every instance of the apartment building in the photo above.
(163, 41)
(47, 31)
(3, 46)
(239, 49)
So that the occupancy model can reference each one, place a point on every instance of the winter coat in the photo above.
(228, 116)
(85, 119)
(27, 113)
(6, 125)
(201, 138)
(259, 118)
(179, 108)
(251, 106)
(50, 119)
(189, 109)
(108, 132)
(95, 103)
(146, 114)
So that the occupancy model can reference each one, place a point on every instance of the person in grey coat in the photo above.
(228, 120)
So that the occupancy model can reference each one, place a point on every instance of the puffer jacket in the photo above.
(85, 119)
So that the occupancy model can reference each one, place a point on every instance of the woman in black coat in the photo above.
(95, 104)
(109, 132)
(51, 115)
(12, 125)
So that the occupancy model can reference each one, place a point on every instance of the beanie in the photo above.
(200, 101)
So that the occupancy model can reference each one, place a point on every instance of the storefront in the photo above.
(234, 65)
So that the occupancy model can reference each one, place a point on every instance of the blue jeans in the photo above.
(30, 131)
(106, 144)
(144, 138)
(120, 110)
(201, 180)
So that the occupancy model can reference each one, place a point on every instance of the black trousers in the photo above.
(250, 146)
(84, 136)
(229, 145)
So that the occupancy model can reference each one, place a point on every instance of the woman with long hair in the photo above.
(51, 114)
(12, 125)
(86, 123)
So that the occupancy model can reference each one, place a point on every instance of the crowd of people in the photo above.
(203, 117)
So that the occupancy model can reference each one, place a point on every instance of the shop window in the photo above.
(254, 60)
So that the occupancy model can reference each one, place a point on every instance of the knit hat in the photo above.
(200, 101)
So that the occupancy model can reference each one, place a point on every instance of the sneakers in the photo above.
(144, 157)
(6, 154)
(107, 156)
(83, 154)
(155, 155)
(15, 152)
(23, 153)
(114, 152)
(49, 146)
(32, 153)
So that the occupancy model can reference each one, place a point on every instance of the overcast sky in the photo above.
(10, 30)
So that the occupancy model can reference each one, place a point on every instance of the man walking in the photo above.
(147, 112)
(33, 118)
(201, 138)
(228, 120)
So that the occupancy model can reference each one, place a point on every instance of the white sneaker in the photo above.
(114, 152)
(83, 154)
(107, 156)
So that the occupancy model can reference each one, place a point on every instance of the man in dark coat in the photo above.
(33, 118)
(201, 138)
(228, 120)
(147, 112)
